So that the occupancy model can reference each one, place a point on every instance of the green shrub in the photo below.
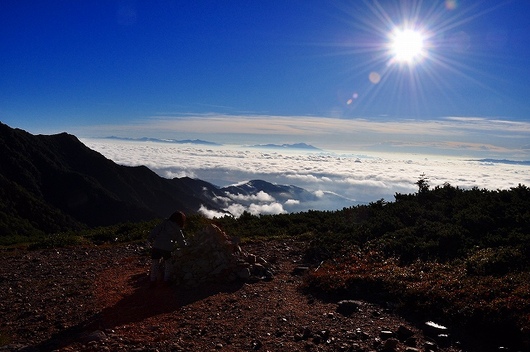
(58, 241)
(496, 261)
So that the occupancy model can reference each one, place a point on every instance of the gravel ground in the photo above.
(99, 299)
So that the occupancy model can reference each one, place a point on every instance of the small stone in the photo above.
(364, 335)
(94, 337)
(443, 340)
(300, 270)
(386, 334)
(377, 342)
(256, 345)
(244, 273)
(390, 344)
(403, 333)
(348, 307)
(411, 341)
(251, 258)
(430, 346)
(306, 333)
(279, 333)
(325, 334)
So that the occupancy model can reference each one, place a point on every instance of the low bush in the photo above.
(58, 241)
(446, 292)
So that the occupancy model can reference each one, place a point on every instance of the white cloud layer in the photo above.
(355, 177)
(469, 136)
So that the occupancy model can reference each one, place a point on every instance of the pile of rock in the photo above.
(213, 256)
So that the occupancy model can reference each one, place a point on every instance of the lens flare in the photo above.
(374, 77)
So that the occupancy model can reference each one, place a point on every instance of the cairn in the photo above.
(213, 256)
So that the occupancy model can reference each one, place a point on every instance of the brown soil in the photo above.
(98, 299)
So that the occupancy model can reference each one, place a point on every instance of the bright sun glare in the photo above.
(407, 46)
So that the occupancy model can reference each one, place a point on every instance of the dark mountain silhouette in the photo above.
(54, 182)
(279, 192)
(292, 198)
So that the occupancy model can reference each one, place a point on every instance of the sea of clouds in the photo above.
(355, 178)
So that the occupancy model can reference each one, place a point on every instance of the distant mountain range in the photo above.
(504, 161)
(202, 142)
(52, 183)
(159, 140)
(286, 146)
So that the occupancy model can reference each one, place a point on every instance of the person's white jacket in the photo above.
(166, 234)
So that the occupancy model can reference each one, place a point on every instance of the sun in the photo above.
(407, 46)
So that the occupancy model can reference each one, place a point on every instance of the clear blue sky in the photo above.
(68, 64)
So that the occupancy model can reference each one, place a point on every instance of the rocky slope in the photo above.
(98, 299)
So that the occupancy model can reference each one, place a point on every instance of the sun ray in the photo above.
(415, 49)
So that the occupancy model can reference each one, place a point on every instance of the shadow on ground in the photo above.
(145, 302)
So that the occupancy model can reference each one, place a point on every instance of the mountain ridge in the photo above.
(55, 183)
(66, 185)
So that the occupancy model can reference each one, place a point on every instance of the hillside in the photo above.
(56, 183)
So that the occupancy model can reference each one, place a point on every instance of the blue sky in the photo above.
(277, 71)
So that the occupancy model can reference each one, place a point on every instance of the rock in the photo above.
(386, 334)
(244, 273)
(94, 336)
(256, 345)
(300, 270)
(348, 307)
(430, 346)
(403, 333)
(433, 329)
(317, 339)
(443, 340)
